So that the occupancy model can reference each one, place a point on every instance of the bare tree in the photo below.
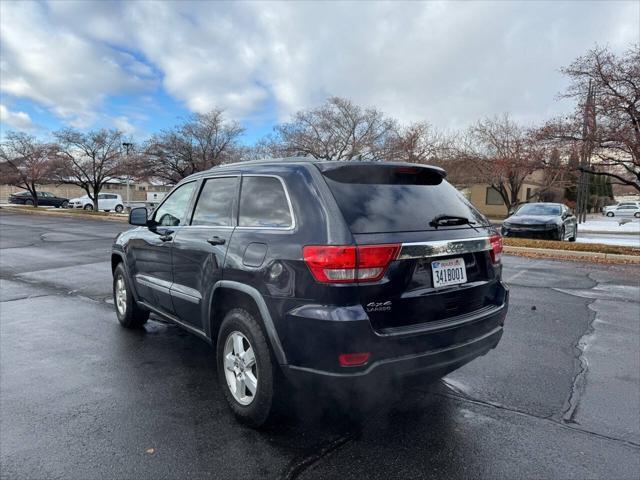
(202, 141)
(616, 136)
(503, 154)
(337, 130)
(26, 162)
(89, 160)
(418, 142)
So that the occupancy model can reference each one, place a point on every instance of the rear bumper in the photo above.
(430, 352)
(429, 366)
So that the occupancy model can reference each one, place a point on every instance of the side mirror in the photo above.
(138, 216)
(511, 211)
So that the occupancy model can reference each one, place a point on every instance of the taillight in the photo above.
(348, 264)
(496, 248)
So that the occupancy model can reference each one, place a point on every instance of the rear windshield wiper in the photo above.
(450, 220)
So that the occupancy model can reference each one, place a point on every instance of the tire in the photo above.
(88, 207)
(575, 234)
(29, 202)
(128, 313)
(561, 233)
(64, 205)
(637, 214)
(610, 214)
(253, 409)
(119, 209)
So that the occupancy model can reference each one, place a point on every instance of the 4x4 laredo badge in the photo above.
(379, 306)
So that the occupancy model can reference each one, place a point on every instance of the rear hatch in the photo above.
(445, 269)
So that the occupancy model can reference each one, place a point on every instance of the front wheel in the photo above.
(119, 208)
(29, 203)
(246, 370)
(637, 214)
(561, 234)
(127, 310)
(64, 204)
(610, 214)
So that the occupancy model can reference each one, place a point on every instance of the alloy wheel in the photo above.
(240, 368)
(121, 296)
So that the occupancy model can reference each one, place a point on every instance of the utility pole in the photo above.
(588, 131)
(127, 146)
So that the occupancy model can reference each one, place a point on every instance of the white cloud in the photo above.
(49, 63)
(449, 63)
(16, 120)
(122, 123)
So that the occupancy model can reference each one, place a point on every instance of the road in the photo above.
(82, 398)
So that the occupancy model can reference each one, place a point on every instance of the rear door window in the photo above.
(215, 203)
(264, 203)
(391, 198)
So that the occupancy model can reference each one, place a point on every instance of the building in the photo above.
(487, 199)
(137, 191)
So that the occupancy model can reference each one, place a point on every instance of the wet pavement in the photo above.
(82, 398)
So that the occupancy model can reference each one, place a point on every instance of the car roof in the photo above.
(323, 165)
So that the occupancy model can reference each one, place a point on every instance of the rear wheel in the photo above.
(246, 370)
(637, 214)
(29, 202)
(88, 207)
(119, 208)
(610, 214)
(130, 315)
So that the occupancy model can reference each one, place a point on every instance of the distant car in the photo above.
(552, 221)
(106, 202)
(623, 209)
(45, 199)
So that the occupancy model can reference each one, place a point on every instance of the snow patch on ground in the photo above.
(617, 240)
(600, 223)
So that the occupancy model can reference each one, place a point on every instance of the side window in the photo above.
(493, 197)
(215, 203)
(172, 211)
(263, 203)
(101, 196)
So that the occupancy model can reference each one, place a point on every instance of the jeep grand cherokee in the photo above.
(336, 274)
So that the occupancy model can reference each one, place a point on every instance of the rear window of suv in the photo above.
(392, 198)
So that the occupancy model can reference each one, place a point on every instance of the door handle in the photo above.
(165, 235)
(215, 240)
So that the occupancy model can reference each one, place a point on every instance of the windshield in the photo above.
(539, 209)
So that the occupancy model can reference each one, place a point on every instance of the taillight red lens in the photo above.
(348, 264)
(353, 359)
(496, 248)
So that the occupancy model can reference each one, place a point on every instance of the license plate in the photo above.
(448, 272)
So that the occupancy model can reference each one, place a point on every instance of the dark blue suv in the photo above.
(316, 274)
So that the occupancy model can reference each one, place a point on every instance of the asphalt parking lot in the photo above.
(82, 398)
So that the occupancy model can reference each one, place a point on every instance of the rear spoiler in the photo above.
(382, 172)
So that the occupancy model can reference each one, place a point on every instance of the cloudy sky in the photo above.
(140, 66)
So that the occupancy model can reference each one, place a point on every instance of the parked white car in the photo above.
(106, 202)
(623, 209)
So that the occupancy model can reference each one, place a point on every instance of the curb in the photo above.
(574, 255)
(63, 213)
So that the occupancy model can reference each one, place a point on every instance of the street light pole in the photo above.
(127, 146)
